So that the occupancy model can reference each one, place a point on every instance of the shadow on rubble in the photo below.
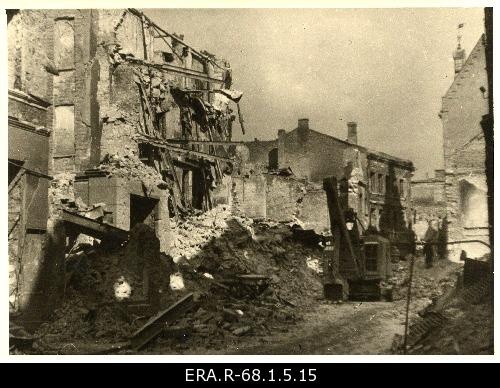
(393, 223)
(252, 280)
(249, 280)
(42, 279)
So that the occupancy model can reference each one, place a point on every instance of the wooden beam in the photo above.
(189, 73)
(154, 327)
(178, 40)
(163, 144)
(207, 142)
(94, 228)
(165, 155)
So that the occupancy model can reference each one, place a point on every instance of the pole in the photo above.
(408, 299)
(240, 117)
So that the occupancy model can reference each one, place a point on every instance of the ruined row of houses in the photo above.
(89, 88)
(374, 184)
(94, 93)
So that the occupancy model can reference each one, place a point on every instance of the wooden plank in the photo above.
(163, 144)
(240, 118)
(150, 122)
(166, 158)
(143, 118)
(204, 142)
(212, 148)
(172, 36)
(94, 228)
(156, 324)
(16, 180)
(145, 45)
(253, 277)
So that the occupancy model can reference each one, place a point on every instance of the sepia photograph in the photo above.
(250, 181)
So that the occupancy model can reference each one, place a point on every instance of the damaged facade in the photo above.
(463, 107)
(131, 122)
(428, 201)
(375, 185)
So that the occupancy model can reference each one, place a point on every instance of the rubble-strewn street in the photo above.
(164, 199)
(290, 316)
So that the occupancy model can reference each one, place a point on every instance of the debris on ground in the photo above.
(253, 278)
(459, 320)
(427, 283)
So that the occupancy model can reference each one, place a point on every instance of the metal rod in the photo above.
(408, 299)
(453, 242)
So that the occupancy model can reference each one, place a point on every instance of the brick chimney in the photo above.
(303, 130)
(352, 132)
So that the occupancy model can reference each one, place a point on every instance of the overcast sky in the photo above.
(387, 69)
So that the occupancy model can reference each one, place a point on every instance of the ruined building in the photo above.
(463, 107)
(376, 185)
(428, 201)
(134, 120)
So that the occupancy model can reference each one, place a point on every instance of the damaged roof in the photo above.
(370, 153)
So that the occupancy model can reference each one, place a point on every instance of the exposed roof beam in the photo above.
(163, 144)
(207, 142)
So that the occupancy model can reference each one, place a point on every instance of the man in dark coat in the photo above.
(430, 241)
(442, 238)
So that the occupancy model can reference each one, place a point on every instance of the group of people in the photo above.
(434, 240)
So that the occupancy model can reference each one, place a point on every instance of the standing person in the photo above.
(430, 241)
(442, 238)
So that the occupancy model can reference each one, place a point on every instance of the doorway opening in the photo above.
(143, 210)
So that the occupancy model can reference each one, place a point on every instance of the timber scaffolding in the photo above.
(165, 154)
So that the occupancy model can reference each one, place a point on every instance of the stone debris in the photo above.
(252, 278)
(104, 289)
(128, 165)
(467, 329)
(62, 195)
(259, 278)
(424, 285)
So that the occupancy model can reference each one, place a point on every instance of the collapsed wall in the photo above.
(283, 199)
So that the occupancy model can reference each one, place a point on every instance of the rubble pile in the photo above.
(253, 277)
(191, 234)
(102, 286)
(79, 320)
(425, 285)
(128, 165)
(467, 326)
(468, 330)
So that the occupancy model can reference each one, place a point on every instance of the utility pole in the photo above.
(408, 299)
